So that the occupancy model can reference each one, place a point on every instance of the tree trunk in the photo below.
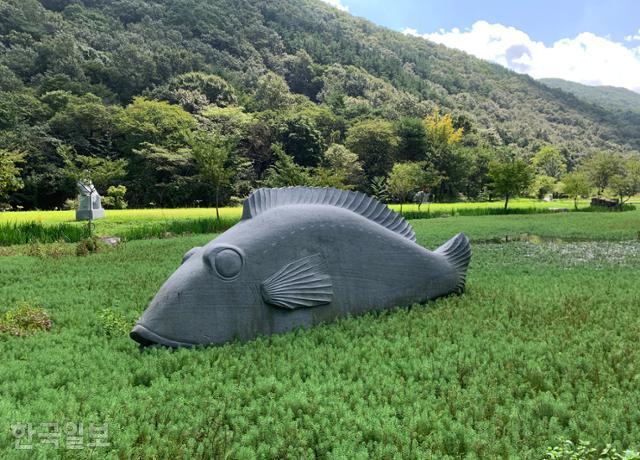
(401, 208)
(575, 202)
(506, 201)
(217, 203)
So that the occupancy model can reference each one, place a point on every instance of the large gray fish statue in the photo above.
(299, 257)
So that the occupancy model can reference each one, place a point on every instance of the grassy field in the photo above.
(55, 226)
(149, 215)
(542, 346)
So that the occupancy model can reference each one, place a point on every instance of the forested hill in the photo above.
(72, 73)
(608, 97)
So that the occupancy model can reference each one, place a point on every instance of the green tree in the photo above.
(413, 139)
(550, 162)
(213, 154)
(510, 177)
(285, 172)
(302, 74)
(196, 90)
(404, 180)
(576, 185)
(301, 140)
(272, 92)
(85, 123)
(626, 183)
(375, 142)
(440, 131)
(99, 171)
(344, 164)
(451, 162)
(543, 185)
(155, 122)
(601, 167)
(115, 197)
(160, 175)
(10, 172)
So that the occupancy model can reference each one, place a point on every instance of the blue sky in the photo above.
(589, 41)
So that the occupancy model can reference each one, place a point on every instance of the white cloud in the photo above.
(337, 4)
(633, 38)
(587, 58)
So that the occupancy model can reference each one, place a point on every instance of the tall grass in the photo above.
(177, 227)
(453, 211)
(29, 232)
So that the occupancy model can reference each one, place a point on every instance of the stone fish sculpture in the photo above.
(299, 257)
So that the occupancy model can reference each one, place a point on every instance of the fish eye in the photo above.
(189, 253)
(227, 262)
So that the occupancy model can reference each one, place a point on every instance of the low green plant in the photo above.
(88, 246)
(42, 250)
(541, 346)
(24, 320)
(113, 323)
(583, 450)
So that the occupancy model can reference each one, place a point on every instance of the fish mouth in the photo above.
(148, 339)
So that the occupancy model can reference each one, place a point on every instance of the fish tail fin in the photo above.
(457, 251)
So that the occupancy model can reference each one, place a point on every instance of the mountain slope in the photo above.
(121, 48)
(608, 97)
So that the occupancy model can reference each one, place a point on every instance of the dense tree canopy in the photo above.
(303, 92)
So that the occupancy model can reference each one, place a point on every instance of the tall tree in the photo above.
(101, 172)
(413, 139)
(155, 122)
(10, 172)
(601, 167)
(510, 177)
(272, 92)
(440, 131)
(576, 185)
(375, 142)
(550, 162)
(405, 179)
(626, 183)
(213, 155)
(443, 154)
(302, 140)
(285, 172)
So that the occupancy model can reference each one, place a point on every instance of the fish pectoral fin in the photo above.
(303, 283)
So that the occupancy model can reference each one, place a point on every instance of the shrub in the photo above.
(115, 197)
(113, 323)
(70, 204)
(24, 320)
(88, 246)
(568, 450)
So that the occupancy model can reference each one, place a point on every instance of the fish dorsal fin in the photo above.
(268, 198)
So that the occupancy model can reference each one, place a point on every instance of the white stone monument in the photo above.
(90, 205)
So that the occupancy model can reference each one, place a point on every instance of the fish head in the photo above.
(210, 298)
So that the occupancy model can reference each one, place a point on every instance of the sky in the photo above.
(595, 42)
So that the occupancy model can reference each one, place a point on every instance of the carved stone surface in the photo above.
(299, 257)
(90, 204)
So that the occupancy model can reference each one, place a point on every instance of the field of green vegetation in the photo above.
(542, 347)
(123, 216)
(131, 224)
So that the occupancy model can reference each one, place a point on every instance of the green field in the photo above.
(131, 224)
(150, 215)
(542, 346)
